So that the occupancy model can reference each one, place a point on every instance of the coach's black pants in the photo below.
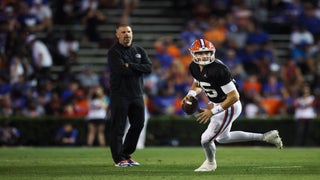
(121, 109)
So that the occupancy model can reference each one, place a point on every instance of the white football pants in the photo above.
(219, 130)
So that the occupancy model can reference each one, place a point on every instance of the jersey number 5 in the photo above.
(212, 93)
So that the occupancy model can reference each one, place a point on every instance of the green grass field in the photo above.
(159, 163)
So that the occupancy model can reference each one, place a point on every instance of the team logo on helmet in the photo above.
(202, 51)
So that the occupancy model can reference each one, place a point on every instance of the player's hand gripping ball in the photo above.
(190, 105)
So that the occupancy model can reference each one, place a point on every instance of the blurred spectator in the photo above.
(87, 77)
(18, 103)
(201, 14)
(67, 12)
(287, 108)
(29, 71)
(43, 13)
(252, 87)
(67, 135)
(291, 77)
(9, 19)
(45, 91)
(69, 90)
(239, 23)
(21, 86)
(68, 48)
(28, 20)
(80, 103)
(309, 19)
(257, 35)
(273, 87)
(219, 8)
(68, 111)
(216, 31)
(247, 54)
(162, 54)
(252, 109)
(300, 35)
(190, 34)
(231, 59)
(6, 106)
(260, 13)
(304, 115)
(173, 49)
(165, 101)
(279, 20)
(300, 56)
(178, 78)
(151, 80)
(88, 4)
(293, 8)
(91, 17)
(314, 50)
(53, 107)
(65, 79)
(313, 55)
(271, 105)
(9, 135)
(128, 7)
(42, 59)
(33, 109)
(265, 61)
(96, 117)
(16, 69)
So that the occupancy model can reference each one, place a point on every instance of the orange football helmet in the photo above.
(202, 51)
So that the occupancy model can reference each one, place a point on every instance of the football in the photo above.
(190, 106)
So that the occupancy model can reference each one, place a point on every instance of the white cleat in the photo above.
(207, 166)
(273, 138)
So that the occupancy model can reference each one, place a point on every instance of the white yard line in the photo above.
(279, 167)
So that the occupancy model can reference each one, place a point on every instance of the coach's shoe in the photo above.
(123, 163)
(273, 138)
(133, 162)
(207, 166)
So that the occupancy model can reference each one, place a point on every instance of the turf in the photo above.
(159, 163)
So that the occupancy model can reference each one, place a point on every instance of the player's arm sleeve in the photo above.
(232, 95)
(116, 64)
(230, 89)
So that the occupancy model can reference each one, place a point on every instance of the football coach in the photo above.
(128, 63)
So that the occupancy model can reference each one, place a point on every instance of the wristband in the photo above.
(217, 109)
(192, 93)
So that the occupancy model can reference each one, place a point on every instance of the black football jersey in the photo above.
(212, 77)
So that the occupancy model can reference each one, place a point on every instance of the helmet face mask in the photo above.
(203, 57)
(202, 51)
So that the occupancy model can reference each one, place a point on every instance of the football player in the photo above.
(213, 77)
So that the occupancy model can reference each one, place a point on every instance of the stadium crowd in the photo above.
(240, 30)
